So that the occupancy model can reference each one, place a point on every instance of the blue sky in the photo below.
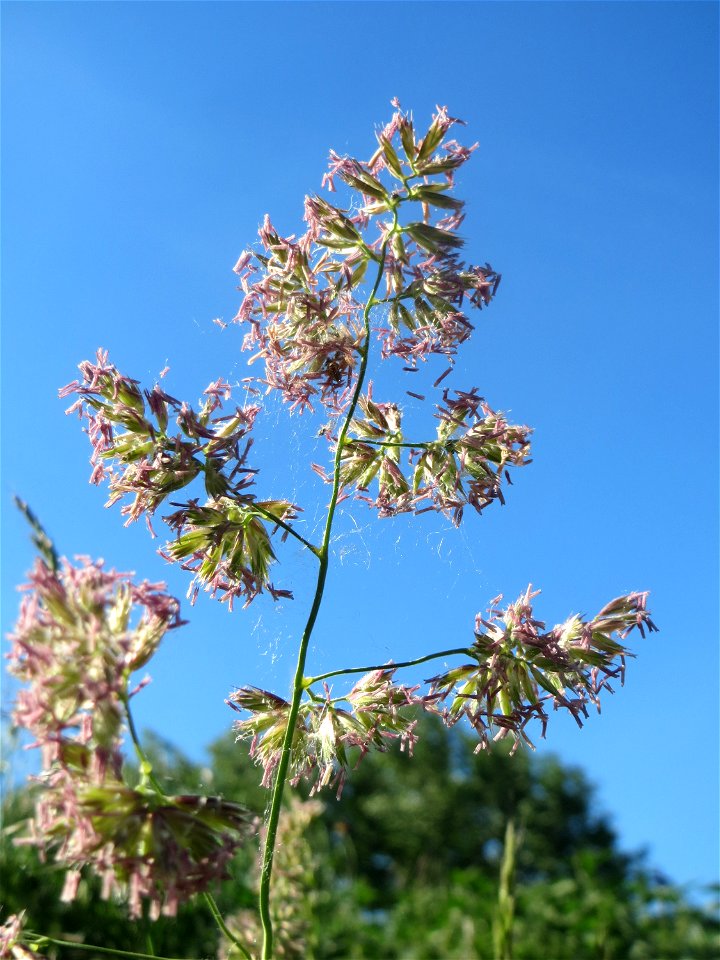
(142, 145)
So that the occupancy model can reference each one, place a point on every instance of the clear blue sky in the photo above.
(142, 145)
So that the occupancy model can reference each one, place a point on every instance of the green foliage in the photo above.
(406, 866)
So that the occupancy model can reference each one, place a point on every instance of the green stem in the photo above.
(39, 940)
(146, 774)
(387, 666)
(215, 911)
(298, 685)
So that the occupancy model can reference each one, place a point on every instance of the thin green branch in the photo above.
(298, 686)
(396, 299)
(146, 774)
(39, 940)
(375, 257)
(286, 526)
(215, 911)
(391, 443)
(387, 666)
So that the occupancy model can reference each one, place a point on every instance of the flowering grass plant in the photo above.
(377, 278)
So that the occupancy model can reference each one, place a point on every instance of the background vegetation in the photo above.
(406, 865)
